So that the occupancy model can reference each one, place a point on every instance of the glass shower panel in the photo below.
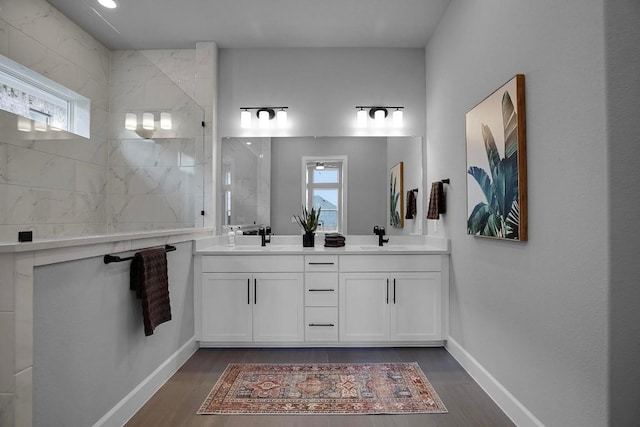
(155, 177)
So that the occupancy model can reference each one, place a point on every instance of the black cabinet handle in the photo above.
(255, 291)
(248, 290)
(321, 324)
(394, 290)
(321, 290)
(321, 263)
(387, 291)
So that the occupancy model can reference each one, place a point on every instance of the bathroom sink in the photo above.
(245, 248)
(370, 248)
(268, 248)
(384, 248)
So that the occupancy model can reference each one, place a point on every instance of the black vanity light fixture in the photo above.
(264, 114)
(378, 113)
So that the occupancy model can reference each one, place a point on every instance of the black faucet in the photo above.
(265, 235)
(380, 231)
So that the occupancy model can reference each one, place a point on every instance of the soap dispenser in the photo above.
(232, 237)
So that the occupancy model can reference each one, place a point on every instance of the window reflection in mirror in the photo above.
(325, 188)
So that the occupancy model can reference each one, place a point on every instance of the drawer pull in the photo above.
(322, 290)
(321, 263)
(322, 324)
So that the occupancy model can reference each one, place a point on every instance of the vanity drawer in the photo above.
(321, 289)
(321, 263)
(321, 324)
(252, 263)
(385, 263)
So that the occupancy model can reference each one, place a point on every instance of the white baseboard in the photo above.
(319, 344)
(132, 402)
(511, 406)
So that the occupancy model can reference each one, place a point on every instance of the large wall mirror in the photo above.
(263, 180)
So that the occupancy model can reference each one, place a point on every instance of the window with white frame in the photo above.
(325, 188)
(40, 103)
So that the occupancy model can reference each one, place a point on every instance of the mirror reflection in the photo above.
(266, 180)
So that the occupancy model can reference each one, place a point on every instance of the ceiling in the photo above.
(179, 24)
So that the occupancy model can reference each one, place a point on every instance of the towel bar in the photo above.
(114, 258)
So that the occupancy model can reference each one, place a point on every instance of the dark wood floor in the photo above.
(176, 403)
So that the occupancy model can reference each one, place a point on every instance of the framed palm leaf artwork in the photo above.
(396, 196)
(497, 164)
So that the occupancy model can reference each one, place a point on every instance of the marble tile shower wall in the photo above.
(112, 182)
(55, 188)
(155, 183)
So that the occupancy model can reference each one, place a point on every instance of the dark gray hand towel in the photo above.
(436, 201)
(150, 280)
(412, 205)
(334, 240)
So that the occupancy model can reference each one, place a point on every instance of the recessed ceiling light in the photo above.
(109, 4)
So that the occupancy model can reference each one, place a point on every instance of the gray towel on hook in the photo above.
(436, 201)
(412, 205)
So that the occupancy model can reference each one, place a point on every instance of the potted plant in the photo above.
(308, 221)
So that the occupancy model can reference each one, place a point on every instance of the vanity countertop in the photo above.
(292, 245)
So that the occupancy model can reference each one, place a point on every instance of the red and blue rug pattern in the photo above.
(326, 388)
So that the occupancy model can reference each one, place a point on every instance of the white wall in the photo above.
(90, 350)
(533, 314)
(321, 87)
(623, 93)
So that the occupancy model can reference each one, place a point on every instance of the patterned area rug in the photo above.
(331, 388)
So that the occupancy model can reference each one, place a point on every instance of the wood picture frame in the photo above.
(497, 164)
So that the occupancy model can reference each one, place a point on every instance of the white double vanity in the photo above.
(285, 295)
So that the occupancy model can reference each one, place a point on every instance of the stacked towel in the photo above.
(150, 280)
(436, 201)
(333, 240)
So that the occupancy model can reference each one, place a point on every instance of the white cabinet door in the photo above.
(278, 310)
(226, 307)
(364, 306)
(415, 307)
